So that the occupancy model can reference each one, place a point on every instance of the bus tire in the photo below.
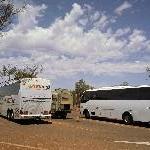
(8, 114)
(11, 115)
(87, 114)
(127, 118)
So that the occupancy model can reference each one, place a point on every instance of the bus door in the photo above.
(105, 108)
(97, 108)
(102, 108)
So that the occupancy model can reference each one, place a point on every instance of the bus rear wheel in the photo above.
(87, 114)
(10, 115)
(127, 118)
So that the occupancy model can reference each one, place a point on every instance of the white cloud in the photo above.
(124, 6)
(122, 32)
(67, 47)
(28, 19)
(137, 41)
(56, 66)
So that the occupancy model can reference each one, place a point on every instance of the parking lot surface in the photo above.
(71, 134)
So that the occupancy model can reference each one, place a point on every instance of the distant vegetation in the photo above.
(80, 87)
(7, 12)
(124, 83)
(148, 71)
(17, 73)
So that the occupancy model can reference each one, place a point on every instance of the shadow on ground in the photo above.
(59, 118)
(29, 121)
(138, 124)
(32, 122)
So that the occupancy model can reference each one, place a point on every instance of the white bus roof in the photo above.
(118, 87)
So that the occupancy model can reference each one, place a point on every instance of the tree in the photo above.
(7, 11)
(148, 71)
(17, 73)
(74, 97)
(80, 87)
(124, 83)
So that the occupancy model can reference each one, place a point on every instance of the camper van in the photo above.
(26, 98)
(62, 103)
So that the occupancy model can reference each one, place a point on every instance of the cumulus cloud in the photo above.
(73, 44)
(28, 19)
(124, 6)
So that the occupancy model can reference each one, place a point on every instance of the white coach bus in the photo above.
(27, 98)
(125, 103)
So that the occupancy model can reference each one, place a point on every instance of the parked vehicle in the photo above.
(127, 103)
(62, 103)
(27, 98)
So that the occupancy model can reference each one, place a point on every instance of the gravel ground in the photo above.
(73, 133)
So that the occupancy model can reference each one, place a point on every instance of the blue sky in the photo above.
(135, 15)
(105, 42)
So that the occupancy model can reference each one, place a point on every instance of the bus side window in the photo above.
(102, 95)
(144, 93)
(94, 96)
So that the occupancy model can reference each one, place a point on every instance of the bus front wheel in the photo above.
(127, 118)
(87, 114)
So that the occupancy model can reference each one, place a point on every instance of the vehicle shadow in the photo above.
(138, 124)
(31, 122)
(28, 121)
(59, 118)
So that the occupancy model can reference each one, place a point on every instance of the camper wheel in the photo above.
(10, 114)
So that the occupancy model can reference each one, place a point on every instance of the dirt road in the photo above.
(72, 134)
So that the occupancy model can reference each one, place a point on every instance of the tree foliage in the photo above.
(80, 87)
(124, 83)
(7, 11)
(148, 71)
(17, 73)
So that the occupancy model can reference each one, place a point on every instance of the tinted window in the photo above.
(144, 93)
(82, 99)
(102, 95)
(125, 94)
(117, 94)
(88, 95)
